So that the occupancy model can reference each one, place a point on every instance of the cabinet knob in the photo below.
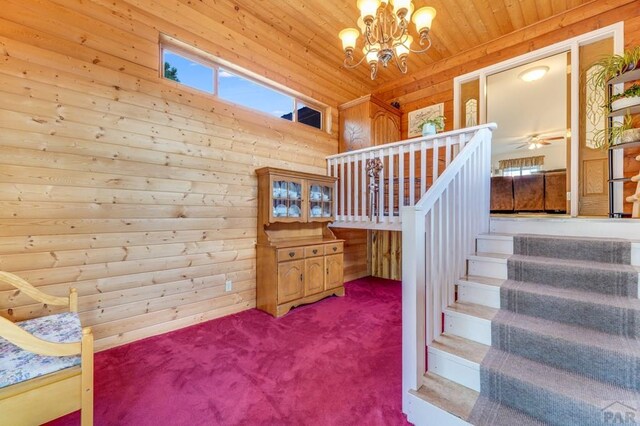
(335, 249)
(292, 253)
(315, 251)
(300, 277)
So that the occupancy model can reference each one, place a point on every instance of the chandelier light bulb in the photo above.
(403, 48)
(401, 7)
(349, 36)
(423, 18)
(368, 9)
(372, 54)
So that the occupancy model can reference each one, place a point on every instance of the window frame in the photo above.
(531, 169)
(210, 61)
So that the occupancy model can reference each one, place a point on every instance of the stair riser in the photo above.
(486, 295)
(454, 368)
(607, 366)
(423, 413)
(595, 280)
(603, 318)
(487, 268)
(491, 245)
(467, 326)
(536, 401)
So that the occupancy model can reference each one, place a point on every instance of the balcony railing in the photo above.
(409, 168)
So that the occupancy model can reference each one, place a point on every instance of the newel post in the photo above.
(413, 301)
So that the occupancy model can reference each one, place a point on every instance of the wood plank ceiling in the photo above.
(459, 25)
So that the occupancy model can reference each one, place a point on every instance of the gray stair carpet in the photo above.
(565, 344)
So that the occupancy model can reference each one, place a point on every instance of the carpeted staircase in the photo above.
(565, 346)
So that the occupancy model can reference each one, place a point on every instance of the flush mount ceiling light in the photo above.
(533, 74)
(384, 25)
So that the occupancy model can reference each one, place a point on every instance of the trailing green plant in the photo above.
(631, 92)
(437, 121)
(604, 138)
(613, 65)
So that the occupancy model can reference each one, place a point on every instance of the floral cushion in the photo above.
(17, 365)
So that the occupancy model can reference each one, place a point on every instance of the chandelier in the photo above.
(384, 25)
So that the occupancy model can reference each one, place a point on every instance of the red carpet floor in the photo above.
(335, 362)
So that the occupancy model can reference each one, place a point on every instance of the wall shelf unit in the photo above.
(626, 77)
(299, 259)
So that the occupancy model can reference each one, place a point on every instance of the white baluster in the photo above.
(401, 178)
(392, 184)
(365, 190)
(412, 174)
(349, 193)
(342, 179)
(356, 187)
(436, 153)
(381, 181)
(447, 151)
(423, 168)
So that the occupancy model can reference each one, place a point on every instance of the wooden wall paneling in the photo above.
(134, 189)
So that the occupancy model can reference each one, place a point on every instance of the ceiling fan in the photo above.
(538, 141)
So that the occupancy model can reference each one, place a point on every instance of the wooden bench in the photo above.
(46, 363)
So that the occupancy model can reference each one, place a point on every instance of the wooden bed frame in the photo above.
(48, 397)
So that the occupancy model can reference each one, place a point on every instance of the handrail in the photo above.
(438, 233)
(410, 141)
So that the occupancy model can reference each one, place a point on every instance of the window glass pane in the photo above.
(187, 72)
(309, 116)
(253, 95)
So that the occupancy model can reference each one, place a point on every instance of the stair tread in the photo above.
(495, 282)
(472, 309)
(560, 382)
(613, 301)
(572, 333)
(461, 347)
(497, 236)
(447, 395)
(585, 264)
(503, 415)
(491, 257)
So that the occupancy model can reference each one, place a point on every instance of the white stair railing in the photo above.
(437, 235)
(409, 167)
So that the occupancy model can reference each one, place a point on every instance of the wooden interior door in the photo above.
(335, 271)
(313, 275)
(594, 166)
(290, 281)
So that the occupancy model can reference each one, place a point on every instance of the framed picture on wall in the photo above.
(417, 116)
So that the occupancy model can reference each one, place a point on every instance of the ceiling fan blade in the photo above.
(524, 145)
(544, 142)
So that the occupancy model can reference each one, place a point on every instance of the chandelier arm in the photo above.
(401, 64)
(351, 65)
(401, 28)
(421, 42)
(368, 34)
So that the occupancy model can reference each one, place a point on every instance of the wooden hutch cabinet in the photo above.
(299, 259)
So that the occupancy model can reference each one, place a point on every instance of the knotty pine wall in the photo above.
(136, 190)
(434, 84)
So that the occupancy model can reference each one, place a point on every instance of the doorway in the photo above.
(572, 47)
(529, 153)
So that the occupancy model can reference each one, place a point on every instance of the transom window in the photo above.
(234, 86)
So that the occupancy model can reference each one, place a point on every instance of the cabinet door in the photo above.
(313, 275)
(334, 271)
(287, 195)
(290, 281)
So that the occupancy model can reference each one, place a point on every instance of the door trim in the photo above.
(571, 45)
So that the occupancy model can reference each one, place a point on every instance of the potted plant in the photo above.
(626, 99)
(613, 65)
(619, 132)
(432, 125)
